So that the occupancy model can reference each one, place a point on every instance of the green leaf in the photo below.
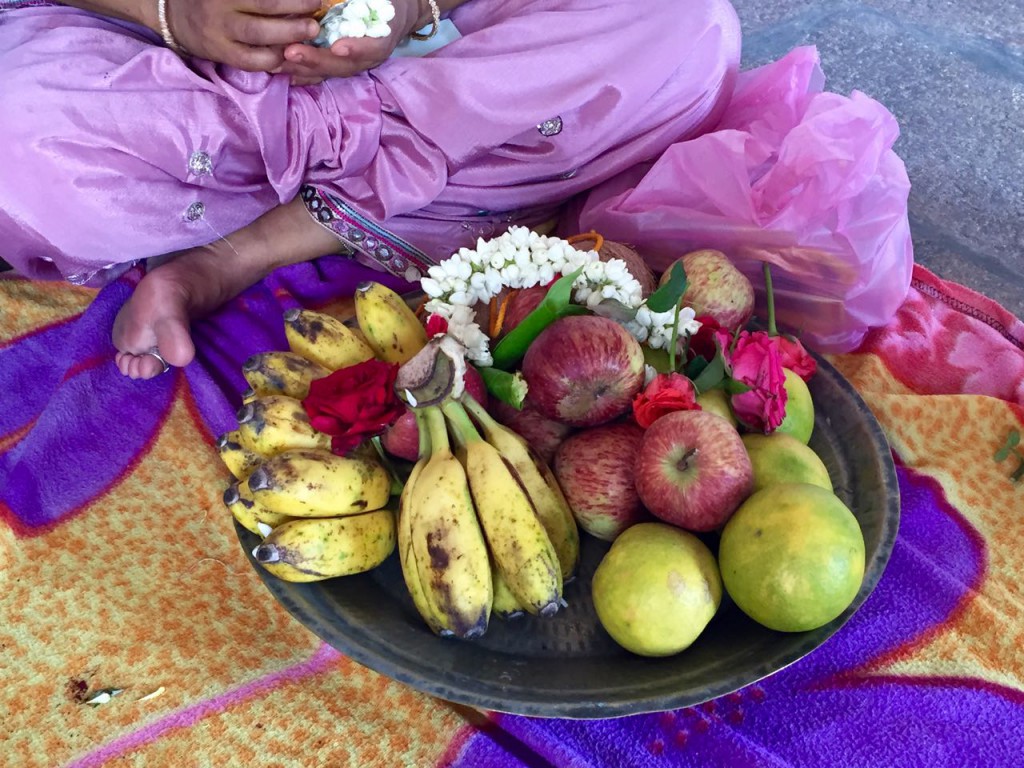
(508, 387)
(669, 294)
(555, 304)
(615, 310)
(712, 375)
(1013, 440)
(734, 387)
(694, 368)
(657, 359)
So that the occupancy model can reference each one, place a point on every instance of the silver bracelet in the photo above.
(435, 14)
(165, 28)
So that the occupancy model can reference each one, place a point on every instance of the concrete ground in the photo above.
(953, 74)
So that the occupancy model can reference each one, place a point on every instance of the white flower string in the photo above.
(521, 258)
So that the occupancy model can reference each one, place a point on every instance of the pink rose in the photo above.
(755, 361)
(666, 393)
(795, 357)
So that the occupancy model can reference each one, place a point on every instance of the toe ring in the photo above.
(154, 352)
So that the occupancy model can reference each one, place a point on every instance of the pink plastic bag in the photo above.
(802, 179)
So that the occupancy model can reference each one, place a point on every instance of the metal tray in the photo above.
(568, 666)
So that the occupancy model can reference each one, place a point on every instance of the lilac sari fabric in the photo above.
(117, 150)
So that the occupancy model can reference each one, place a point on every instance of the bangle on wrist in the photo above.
(435, 17)
(165, 28)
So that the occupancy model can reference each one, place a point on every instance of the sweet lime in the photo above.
(717, 402)
(656, 589)
(792, 557)
(799, 421)
(781, 458)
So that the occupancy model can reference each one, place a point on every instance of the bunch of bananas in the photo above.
(484, 529)
(320, 515)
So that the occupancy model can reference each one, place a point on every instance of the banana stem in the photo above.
(479, 413)
(423, 430)
(397, 484)
(461, 424)
(438, 431)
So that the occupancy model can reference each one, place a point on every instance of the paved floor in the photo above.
(953, 74)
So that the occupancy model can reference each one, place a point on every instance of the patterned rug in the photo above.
(120, 571)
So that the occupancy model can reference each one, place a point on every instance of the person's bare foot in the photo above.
(195, 282)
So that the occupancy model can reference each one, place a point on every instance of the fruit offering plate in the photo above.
(567, 665)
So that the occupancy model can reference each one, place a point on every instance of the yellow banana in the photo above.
(324, 339)
(448, 547)
(250, 514)
(323, 548)
(391, 328)
(239, 461)
(406, 556)
(269, 425)
(249, 395)
(540, 485)
(316, 483)
(505, 604)
(281, 373)
(518, 542)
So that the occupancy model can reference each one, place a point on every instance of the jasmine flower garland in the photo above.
(521, 258)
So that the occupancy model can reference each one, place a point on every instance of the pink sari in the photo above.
(116, 150)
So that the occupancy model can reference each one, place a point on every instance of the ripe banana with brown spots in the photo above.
(317, 483)
(270, 425)
(391, 328)
(447, 546)
(540, 485)
(520, 546)
(324, 339)
(250, 514)
(281, 373)
(315, 549)
(240, 461)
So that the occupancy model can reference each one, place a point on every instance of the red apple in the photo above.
(521, 304)
(543, 434)
(715, 287)
(692, 470)
(402, 439)
(594, 467)
(583, 370)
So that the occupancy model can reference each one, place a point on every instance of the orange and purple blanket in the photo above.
(120, 569)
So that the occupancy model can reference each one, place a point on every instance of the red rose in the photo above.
(755, 361)
(436, 325)
(702, 343)
(795, 357)
(354, 403)
(666, 393)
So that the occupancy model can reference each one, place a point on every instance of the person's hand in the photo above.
(349, 56)
(247, 34)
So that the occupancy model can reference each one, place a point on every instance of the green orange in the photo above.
(656, 589)
(799, 421)
(792, 557)
(781, 458)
